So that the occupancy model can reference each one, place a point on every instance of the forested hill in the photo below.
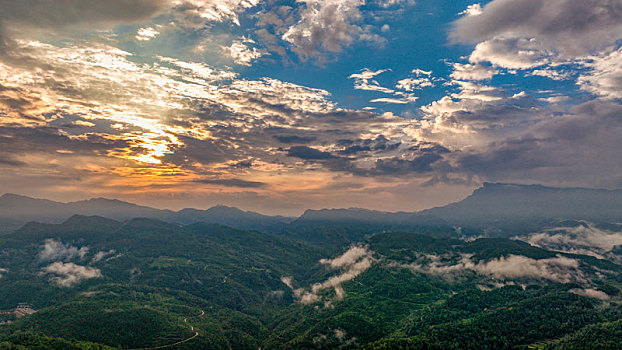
(97, 283)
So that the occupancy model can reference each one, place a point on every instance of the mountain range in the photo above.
(493, 208)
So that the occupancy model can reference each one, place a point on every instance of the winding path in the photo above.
(196, 334)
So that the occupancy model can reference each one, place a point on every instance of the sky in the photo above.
(281, 106)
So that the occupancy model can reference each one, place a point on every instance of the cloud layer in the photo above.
(584, 238)
(559, 269)
(350, 264)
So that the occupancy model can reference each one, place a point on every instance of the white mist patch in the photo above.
(513, 267)
(53, 250)
(591, 293)
(102, 254)
(351, 264)
(70, 274)
(584, 239)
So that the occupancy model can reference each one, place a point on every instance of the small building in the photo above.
(24, 309)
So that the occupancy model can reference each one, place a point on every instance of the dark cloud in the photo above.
(233, 183)
(399, 166)
(580, 147)
(294, 139)
(201, 151)
(56, 14)
(308, 153)
(355, 149)
(24, 140)
(7, 161)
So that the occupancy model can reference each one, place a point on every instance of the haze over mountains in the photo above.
(16, 210)
(493, 208)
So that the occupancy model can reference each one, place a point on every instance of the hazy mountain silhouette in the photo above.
(16, 210)
(491, 208)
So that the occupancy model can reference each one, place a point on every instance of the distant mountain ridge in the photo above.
(17, 210)
(493, 208)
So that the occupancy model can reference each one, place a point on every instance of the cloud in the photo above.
(513, 53)
(146, 34)
(179, 121)
(308, 153)
(569, 26)
(70, 274)
(347, 259)
(54, 250)
(605, 75)
(472, 10)
(102, 254)
(351, 264)
(22, 15)
(583, 238)
(590, 293)
(478, 116)
(411, 84)
(233, 183)
(408, 98)
(512, 267)
(365, 81)
(241, 53)
(362, 81)
(294, 139)
(328, 26)
(472, 72)
(195, 13)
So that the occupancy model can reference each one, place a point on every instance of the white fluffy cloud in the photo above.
(365, 81)
(328, 26)
(102, 254)
(146, 34)
(195, 13)
(472, 10)
(518, 53)
(584, 238)
(513, 267)
(241, 53)
(351, 264)
(472, 72)
(605, 77)
(70, 274)
(53, 250)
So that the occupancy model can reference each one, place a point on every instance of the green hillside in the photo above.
(98, 283)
